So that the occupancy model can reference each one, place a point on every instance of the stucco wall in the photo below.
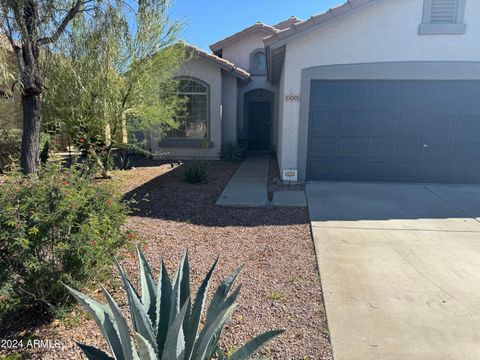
(229, 107)
(386, 31)
(239, 51)
(210, 74)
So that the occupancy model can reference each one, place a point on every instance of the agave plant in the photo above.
(166, 323)
(232, 151)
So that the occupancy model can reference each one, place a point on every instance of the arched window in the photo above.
(258, 63)
(193, 120)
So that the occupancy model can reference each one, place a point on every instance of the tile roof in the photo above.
(224, 64)
(287, 23)
(257, 27)
(315, 20)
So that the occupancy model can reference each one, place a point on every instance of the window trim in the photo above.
(173, 141)
(252, 56)
(429, 28)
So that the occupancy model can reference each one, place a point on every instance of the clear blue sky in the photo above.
(208, 21)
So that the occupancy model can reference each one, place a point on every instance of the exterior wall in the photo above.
(229, 107)
(280, 121)
(386, 31)
(239, 51)
(212, 75)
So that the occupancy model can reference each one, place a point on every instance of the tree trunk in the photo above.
(31, 133)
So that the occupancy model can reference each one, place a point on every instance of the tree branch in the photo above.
(63, 25)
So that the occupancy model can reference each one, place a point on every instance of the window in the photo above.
(193, 122)
(258, 63)
(443, 17)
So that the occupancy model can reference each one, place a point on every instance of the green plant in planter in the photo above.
(195, 172)
(232, 151)
(166, 322)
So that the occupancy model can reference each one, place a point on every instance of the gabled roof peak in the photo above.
(222, 63)
(257, 27)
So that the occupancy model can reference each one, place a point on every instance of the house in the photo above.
(372, 90)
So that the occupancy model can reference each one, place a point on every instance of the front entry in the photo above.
(259, 125)
(259, 114)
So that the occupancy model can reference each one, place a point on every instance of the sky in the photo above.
(208, 21)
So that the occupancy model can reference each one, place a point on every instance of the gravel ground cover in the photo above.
(280, 283)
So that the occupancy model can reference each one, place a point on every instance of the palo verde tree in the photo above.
(111, 72)
(30, 27)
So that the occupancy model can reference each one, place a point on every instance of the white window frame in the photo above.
(456, 28)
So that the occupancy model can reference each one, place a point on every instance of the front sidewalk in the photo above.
(248, 186)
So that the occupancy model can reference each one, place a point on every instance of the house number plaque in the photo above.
(293, 98)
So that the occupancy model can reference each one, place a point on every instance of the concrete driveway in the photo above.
(400, 269)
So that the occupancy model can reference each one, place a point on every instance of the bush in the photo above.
(233, 151)
(10, 146)
(166, 320)
(57, 227)
(195, 172)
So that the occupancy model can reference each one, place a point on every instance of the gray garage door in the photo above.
(419, 131)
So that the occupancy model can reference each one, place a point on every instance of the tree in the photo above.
(31, 27)
(107, 74)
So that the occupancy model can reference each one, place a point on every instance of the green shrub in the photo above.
(195, 172)
(233, 151)
(165, 320)
(10, 146)
(56, 227)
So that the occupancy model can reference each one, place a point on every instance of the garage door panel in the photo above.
(355, 119)
(382, 145)
(412, 120)
(384, 119)
(440, 121)
(470, 121)
(357, 97)
(394, 131)
(324, 144)
(409, 146)
(438, 145)
(470, 146)
(325, 119)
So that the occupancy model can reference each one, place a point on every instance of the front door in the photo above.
(259, 125)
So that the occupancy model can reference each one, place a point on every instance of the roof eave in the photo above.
(220, 62)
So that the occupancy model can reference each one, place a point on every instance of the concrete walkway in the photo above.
(248, 186)
(400, 269)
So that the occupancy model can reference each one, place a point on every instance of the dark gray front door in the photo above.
(259, 125)
(412, 131)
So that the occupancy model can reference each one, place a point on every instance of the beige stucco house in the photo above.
(372, 90)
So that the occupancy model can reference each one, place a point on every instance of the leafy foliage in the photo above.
(56, 227)
(166, 322)
(108, 77)
(10, 145)
(232, 151)
(195, 172)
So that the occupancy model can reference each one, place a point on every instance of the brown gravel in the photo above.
(281, 286)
